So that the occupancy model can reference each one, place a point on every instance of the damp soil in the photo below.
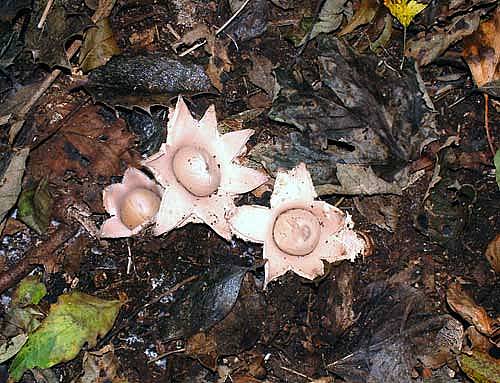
(295, 328)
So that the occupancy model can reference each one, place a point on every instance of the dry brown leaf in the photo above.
(261, 74)
(219, 61)
(465, 306)
(200, 31)
(482, 51)
(87, 145)
(81, 155)
(364, 15)
(493, 254)
(204, 348)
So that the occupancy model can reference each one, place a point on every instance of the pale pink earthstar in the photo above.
(198, 169)
(132, 204)
(298, 233)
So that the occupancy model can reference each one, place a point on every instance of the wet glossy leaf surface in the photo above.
(205, 302)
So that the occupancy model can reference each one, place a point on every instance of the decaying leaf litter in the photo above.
(404, 147)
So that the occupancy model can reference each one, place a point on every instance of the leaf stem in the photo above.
(404, 48)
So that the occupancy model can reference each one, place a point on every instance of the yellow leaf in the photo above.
(404, 10)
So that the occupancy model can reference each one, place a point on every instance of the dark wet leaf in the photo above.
(10, 180)
(9, 9)
(35, 207)
(48, 44)
(145, 80)
(480, 367)
(149, 128)
(425, 49)
(444, 211)
(347, 120)
(398, 331)
(242, 327)
(251, 22)
(10, 46)
(205, 302)
(74, 320)
(99, 45)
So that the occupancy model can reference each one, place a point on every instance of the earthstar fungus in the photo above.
(197, 169)
(132, 204)
(297, 232)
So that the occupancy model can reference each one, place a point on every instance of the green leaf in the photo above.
(480, 367)
(35, 206)
(75, 319)
(29, 292)
(496, 161)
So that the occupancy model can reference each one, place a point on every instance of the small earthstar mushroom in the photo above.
(298, 233)
(198, 169)
(133, 204)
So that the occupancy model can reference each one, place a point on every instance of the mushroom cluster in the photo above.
(199, 176)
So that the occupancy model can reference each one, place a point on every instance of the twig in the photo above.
(70, 52)
(489, 138)
(35, 257)
(45, 14)
(234, 16)
(404, 49)
(297, 373)
(229, 21)
(165, 354)
(73, 48)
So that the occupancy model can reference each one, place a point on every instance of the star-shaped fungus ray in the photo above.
(298, 232)
(198, 169)
(132, 204)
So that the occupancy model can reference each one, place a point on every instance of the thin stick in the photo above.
(296, 373)
(232, 17)
(71, 51)
(489, 138)
(45, 14)
(165, 354)
(229, 21)
(73, 48)
(404, 48)
(36, 256)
